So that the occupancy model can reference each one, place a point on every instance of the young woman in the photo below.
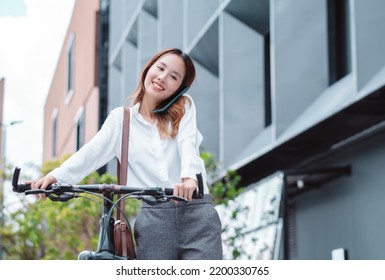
(163, 151)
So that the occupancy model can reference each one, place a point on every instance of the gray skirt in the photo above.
(183, 231)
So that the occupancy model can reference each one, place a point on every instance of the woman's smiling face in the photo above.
(164, 77)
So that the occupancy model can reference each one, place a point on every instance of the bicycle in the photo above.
(63, 192)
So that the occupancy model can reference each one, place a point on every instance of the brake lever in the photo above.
(151, 200)
(38, 191)
(161, 197)
(64, 197)
(175, 197)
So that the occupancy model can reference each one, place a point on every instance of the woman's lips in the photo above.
(158, 86)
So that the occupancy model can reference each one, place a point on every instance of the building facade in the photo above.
(292, 90)
(71, 111)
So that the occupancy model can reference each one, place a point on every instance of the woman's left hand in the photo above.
(186, 188)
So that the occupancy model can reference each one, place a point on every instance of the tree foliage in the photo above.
(225, 189)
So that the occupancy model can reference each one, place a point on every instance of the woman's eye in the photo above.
(160, 68)
(173, 77)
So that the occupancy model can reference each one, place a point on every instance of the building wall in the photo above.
(265, 74)
(347, 213)
(82, 31)
(369, 45)
(261, 72)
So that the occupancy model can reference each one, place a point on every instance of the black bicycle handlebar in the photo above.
(64, 192)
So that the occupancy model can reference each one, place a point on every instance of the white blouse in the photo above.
(152, 161)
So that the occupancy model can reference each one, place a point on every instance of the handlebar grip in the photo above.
(198, 193)
(169, 191)
(25, 188)
(20, 188)
(15, 178)
(200, 186)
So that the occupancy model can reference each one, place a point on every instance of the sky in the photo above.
(32, 33)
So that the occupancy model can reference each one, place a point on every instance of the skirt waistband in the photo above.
(207, 198)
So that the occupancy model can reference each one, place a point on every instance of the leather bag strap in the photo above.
(123, 164)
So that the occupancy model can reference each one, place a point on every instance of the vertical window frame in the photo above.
(79, 123)
(70, 71)
(338, 20)
(54, 124)
(267, 69)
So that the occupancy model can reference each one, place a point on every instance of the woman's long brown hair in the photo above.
(168, 121)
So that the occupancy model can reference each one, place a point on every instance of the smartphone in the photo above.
(172, 101)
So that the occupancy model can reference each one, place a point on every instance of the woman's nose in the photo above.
(162, 77)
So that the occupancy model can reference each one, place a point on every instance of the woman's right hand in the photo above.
(42, 183)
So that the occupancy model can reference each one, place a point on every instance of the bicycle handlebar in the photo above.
(64, 192)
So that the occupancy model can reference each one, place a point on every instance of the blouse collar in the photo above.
(138, 115)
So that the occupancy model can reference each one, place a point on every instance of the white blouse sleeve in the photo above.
(103, 147)
(189, 139)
